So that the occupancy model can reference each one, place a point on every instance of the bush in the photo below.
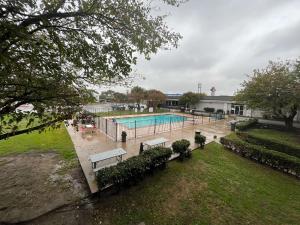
(244, 125)
(208, 109)
(158, 157)
(200, 139)
(181, 147)
(290, 149)
(188, 153)
(220, 111)
(278, 160)
(133, 169)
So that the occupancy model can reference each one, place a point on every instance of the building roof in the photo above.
(215, 98)
(173, 96)
(218, 98)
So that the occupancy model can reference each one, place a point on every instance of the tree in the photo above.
(137, 94)
(189, 99)
(120, 97)
(52, 52)
(113, 96)
(107, 95)
(155, 97)
(274, 89)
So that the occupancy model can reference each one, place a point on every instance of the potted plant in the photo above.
(200, 139)
(124, 135)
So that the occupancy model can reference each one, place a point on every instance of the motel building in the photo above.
(226, 103)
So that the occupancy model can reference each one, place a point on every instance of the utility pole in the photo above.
(199, 88)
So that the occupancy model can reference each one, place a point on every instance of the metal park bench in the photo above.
(155, 143)
(106, 159)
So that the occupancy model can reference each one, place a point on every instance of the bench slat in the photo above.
(107, 155)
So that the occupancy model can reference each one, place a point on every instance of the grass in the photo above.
(214, 187)
(57, 140)
(128, 112)
(276, 135)
(20, 125)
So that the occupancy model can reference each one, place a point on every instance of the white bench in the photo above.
(155, 143)
(106, 159)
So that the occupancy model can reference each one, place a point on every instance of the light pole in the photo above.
(199, 88)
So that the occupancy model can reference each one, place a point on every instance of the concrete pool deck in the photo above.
(87, 144)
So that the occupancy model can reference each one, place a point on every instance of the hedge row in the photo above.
(208, 109)
(277, 145)
(133, 169)
(244, 125)
(278, 160)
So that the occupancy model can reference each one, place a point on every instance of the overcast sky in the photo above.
(223, 41)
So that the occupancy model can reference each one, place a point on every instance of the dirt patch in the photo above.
(33, 184)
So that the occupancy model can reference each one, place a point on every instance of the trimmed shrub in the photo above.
(157, 157)
(220, 111)
(188, 153)
(208, 109)
(277, 145)
(244, 125)
(200, 139)
(134, 169)
(278, 160)
(181, 147)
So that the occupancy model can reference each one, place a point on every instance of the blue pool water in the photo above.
(145, 121)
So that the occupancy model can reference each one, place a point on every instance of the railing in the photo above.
(142, 128)
(107, 126)
(98, 108)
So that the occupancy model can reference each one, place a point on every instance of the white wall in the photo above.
(216, 105)
(226, 106)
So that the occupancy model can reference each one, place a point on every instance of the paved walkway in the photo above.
(92, 143)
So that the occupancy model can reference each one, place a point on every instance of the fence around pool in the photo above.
(136, 129)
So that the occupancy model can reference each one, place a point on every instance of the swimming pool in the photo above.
(145, 121)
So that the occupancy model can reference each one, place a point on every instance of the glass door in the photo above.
(237, 109)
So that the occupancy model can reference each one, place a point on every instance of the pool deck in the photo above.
(87, 144)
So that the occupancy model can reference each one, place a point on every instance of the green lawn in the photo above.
(128, 112)
(49, 140)
(283, 136)
(20, 125)
(214, 187)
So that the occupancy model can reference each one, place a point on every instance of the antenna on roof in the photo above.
(199, 88)
(213, 91)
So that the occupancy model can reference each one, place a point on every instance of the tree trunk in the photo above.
(289, 122)
(290, 119)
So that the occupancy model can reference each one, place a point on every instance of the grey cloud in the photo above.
(223, 40)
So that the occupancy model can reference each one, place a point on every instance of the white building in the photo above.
(228, 105)
(225, 103)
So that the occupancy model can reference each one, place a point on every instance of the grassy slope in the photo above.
(285, 137)
(51, 139)
(20, 125)
(214, 187)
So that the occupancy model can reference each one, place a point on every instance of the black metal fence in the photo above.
(138, 128)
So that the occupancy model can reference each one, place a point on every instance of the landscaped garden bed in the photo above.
(279, 150)
(133, 169)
